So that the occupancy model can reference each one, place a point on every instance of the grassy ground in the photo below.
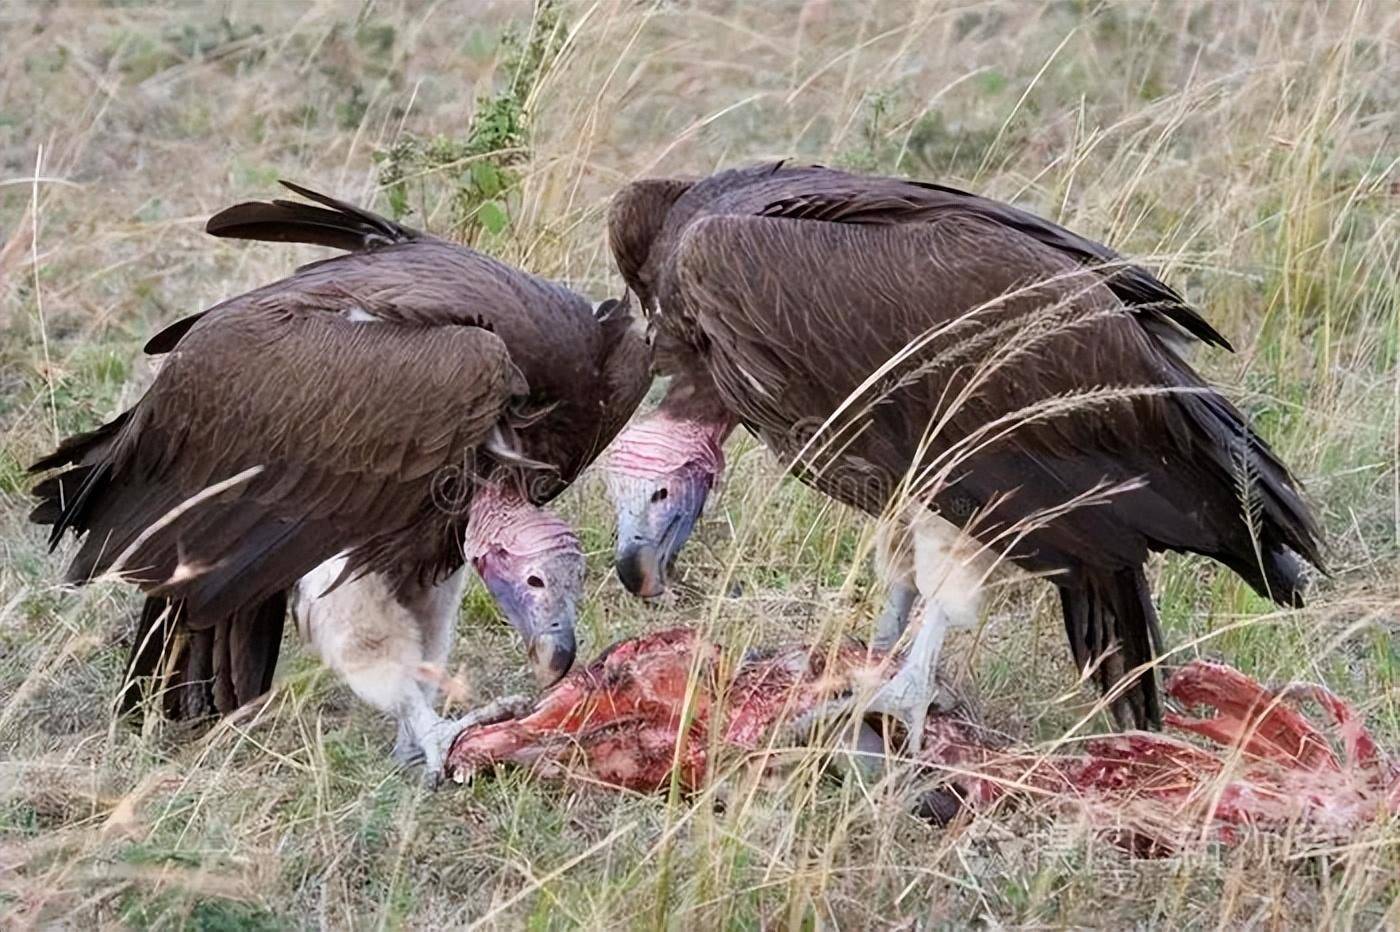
(1248, 151)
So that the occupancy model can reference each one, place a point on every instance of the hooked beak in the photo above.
(641, 569)
(551, 654)
(645, 557)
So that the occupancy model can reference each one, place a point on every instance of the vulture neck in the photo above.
(661, 444)
(693, 398)
(690, 426)
(500, 519)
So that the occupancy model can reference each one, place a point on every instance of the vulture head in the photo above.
(531, 562)
(635, 221)
(659, 473)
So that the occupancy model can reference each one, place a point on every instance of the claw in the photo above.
(439, 740)
(906, 699)
(497, 710)
(435, 745)
(903, 698)
(430, 747)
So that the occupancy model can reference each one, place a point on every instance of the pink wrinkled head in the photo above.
(531, 562)
(658, 445)
(499, 519)
(659, 473)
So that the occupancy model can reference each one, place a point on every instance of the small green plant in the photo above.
(479, 172)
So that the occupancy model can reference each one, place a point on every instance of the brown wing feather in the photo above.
(348, 423)
(399, 274)
(894, 201)
(815, 193)
(787, 349)
(336, 223)
(261, 373)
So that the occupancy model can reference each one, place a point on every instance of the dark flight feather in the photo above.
(336, 224)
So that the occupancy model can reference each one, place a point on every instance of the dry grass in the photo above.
(1247, 150)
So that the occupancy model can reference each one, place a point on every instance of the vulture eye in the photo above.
(659, 495)
(534, 582)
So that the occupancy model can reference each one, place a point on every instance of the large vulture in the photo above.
(994, 385)
(349, 437)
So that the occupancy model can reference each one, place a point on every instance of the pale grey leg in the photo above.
(894, 617)
(406, 750)
(435, 611)
(907, 696)
(894, 563)
(948, 569)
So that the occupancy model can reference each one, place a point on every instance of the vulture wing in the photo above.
(843, 198)
(901, 344)
(276, 437)
(587, 372)
(360, 389)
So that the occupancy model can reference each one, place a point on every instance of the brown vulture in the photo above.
(346, 439)
(994, 385)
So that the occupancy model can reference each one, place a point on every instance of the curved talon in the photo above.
(898, 698)
(431, 746)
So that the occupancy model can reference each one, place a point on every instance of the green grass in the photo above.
(1246, 150)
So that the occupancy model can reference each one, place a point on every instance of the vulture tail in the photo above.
(335, 223)
(200, 671)
(1113, 631)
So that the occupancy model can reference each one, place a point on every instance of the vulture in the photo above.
(344, 441)
(993, 386)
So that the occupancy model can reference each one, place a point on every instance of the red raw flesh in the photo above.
(1266, 765)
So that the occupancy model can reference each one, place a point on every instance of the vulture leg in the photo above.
(381, 642)
(406, 751)
(894, 563)
(894, 617)
(435, 612)
(949, 570)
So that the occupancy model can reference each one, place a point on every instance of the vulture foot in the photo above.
(432, 745)
(907, 698)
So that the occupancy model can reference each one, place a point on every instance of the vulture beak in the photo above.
(551, 654)
(654, 521)
(641, 570)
